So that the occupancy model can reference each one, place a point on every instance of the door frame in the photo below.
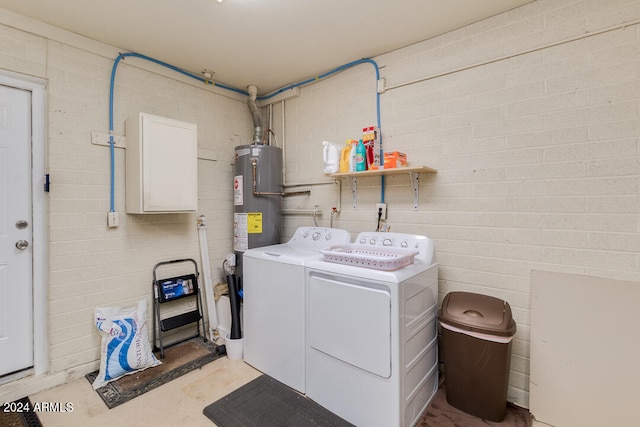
(37, 87)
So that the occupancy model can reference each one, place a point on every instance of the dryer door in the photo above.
(352, 323)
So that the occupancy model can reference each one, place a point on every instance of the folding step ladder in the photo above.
(173, 289)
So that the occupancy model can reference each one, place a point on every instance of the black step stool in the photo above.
(173, 289)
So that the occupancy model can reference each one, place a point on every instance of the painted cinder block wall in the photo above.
(89, 264)
(537, 154)
(537, 158)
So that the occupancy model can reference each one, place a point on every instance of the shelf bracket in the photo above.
(415, 182)
(354, 191)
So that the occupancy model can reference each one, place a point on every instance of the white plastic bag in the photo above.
(125, 345)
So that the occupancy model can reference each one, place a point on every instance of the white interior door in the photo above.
(16, 254)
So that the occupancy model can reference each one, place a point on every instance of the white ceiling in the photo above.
(268, 43)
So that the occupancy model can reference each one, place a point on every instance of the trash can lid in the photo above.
(478, 313)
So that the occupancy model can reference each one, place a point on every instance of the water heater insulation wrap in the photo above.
(257, 211)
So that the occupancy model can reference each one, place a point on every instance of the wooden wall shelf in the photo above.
(379, 172)
(414, 175)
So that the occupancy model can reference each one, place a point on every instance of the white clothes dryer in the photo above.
(372, 355)
(274, 302)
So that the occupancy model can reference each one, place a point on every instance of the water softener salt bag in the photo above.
(125, 345)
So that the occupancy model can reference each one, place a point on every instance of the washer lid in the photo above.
(282, 253)
(478, 313)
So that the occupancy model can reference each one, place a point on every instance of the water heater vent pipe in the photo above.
(257, 120)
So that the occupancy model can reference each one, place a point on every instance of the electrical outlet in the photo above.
(382, 206)
(112, 219)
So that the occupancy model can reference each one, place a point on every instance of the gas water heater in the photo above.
(257, 198)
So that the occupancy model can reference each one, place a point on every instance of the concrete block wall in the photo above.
(90, 264)
(535, 140)
(537, 157)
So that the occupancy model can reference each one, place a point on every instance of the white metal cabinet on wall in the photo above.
(161, 165)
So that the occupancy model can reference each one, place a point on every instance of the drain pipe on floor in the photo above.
(207, 282)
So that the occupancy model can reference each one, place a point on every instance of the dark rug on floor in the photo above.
(19, 414)
(178, 360)
(265, 402)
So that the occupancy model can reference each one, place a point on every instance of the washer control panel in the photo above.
(319, 237)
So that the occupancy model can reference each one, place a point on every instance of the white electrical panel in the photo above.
(161, 165)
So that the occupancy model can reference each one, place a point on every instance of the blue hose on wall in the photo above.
(230, 88)
(111, 96)
(334, 71)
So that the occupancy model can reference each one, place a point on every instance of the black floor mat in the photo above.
(265, 402)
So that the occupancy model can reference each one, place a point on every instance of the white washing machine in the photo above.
(372, 354)
(274, 302)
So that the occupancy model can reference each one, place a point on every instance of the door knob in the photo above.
(22, 244)
(22, 224)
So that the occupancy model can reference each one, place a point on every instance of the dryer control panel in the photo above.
(423, 244)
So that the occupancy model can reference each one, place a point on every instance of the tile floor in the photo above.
(181, 401)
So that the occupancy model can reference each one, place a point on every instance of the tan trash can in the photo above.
(476, 350)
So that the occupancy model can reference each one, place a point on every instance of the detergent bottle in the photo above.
(344, 157)
(368, 139)
(352, 156)
(330, 157)
(361, 157)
